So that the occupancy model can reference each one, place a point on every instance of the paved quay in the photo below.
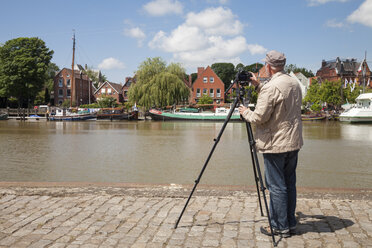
(128, 215)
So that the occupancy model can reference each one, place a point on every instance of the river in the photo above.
(335, 155)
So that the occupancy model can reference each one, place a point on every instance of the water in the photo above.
(334, 155)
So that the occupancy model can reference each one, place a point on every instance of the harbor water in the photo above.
(335, 155)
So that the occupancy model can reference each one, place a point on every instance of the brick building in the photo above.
(343, 69)
(128, 82)
(62, 87)
(208, 83)
(111, 90)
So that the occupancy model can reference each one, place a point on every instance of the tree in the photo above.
(313, 95)
(158, 85)
(23, 66)
(330, 92)
(295, 69)
(107, 102)
(194, 76)
(95, 76)
(253, 67)
(205, 99)
(225, 71)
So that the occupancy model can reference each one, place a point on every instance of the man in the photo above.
(279, 137)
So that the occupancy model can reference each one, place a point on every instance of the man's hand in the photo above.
(254, 80)
(242, 109)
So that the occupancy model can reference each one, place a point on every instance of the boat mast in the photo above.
(364, 70)
(72, 93)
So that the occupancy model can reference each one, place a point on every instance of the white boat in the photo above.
(361, 111)
(220, 114)
(66, 115)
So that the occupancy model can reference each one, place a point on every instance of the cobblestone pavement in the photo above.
(112, 216)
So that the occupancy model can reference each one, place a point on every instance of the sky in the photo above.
(116, 36)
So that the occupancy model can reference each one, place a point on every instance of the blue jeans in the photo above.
(280, 179)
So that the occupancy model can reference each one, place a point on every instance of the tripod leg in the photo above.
(254, 152)
(216, 140)
(251, 144)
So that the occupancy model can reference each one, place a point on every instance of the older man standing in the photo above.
(279, 137)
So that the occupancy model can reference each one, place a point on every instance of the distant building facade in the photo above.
(110, 89)
(208, 83)
(63, 87)
(129, 81)
(349, 70)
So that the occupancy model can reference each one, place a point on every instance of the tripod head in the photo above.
(241, 81)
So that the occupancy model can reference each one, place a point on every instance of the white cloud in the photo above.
(136, 33)
(215, 21)
(363, 14)
(334, 24)
(211, 35)
(320, 2)
(111, 63)
(163, 7)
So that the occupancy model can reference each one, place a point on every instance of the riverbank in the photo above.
(140, 215)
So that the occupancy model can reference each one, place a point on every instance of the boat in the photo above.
(66, 115)
(3, 116)
(220, 114)
(313, 117)
(116, 114)
(361, 111)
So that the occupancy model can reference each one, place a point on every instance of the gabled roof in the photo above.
(129, 81)
(115, 86)
(77, 73)
(200, 75)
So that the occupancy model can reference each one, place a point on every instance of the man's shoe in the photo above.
(292, 231)
(282, 233)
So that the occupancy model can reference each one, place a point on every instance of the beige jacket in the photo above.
(278, 115)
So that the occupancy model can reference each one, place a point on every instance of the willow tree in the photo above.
(158, 85)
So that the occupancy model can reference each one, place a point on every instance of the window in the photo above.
(109, 91)
(125, 93)
(68, 82)
(211, 93)
(204, 91)
(68, 75)
(103, 91)
(60, 93)
(211, 79)
(218, 93)
(68, 93)
(205, 80)
(197, 92)
(60, 82)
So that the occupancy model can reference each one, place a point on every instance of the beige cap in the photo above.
(275, 58)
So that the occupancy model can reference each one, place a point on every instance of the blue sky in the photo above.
(116, 36)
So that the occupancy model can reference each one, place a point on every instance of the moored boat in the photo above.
(65, 115)
(220, 114)
(3, 116)
(361, 111)
(313, 117)
(116, 114)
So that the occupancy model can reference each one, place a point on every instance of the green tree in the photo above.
(95, 76)
(158, 85)
(295, 69)
(23, 66)
(313, 95)
(205, 99)
(107, 102)
(194, 76)
(330, 92)
(253, 67)
(225, 71)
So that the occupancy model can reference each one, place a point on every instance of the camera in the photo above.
(244, 76)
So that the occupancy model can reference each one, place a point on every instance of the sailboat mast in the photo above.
(364, 71)
(72, 93)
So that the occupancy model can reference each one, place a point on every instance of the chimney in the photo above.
(324, 63)
(200, 70)
(190, 80)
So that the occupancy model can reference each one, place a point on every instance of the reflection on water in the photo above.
(334, 154)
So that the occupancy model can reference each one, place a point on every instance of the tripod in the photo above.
(240, 92)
